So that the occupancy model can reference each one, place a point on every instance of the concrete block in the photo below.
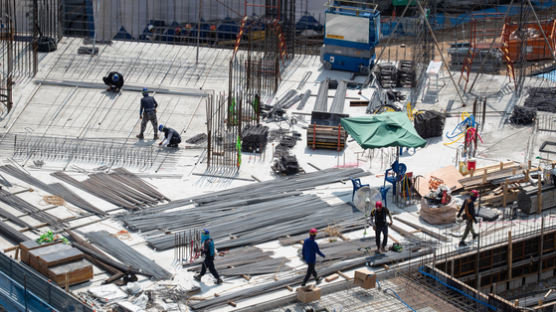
(530, 279)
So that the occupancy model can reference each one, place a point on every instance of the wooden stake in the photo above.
(484, 176)
(504, 193)
(343, 275)
(233, 304)
(247, 277)
(16, 252)
(289, 288)
(331, 278)
(67, 283)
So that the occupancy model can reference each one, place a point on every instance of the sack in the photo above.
(438, 215)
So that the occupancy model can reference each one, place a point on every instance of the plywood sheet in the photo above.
(450, 175)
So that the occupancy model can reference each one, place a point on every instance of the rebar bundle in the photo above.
(12, 234)
(126, 254)
(120, 188)
(54, 189)
(24, 207)
(246, 261)
(542, 99)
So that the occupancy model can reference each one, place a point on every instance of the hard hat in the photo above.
(150, 27)
(116, 77)
(313, 231)
(378, 204)
(474, 193)
(367, 200)
(205, 231)
(145, 91)
(160, 127)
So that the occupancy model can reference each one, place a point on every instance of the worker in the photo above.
(171, 137)
(147, 113)
(114, 81)
(209, 252)
(380, 226)
(310, 249)
(468, 207)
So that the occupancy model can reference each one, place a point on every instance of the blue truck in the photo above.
(351, 33)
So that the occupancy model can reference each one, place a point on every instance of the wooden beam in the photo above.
(424, 230)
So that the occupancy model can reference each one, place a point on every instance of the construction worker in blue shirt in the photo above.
(209, 252)
(114, 81)
(147, 112)
(310, 249)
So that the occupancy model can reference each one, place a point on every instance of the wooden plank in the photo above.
(36, 253)
(77, 272)
(510, 255)
(424, 230)
(450, 175)
(58, 258)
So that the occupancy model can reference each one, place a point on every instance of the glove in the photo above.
(160, 143)
(390, 223)
(140, 117)
(374, 227)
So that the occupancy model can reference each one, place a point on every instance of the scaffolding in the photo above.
(25, 23)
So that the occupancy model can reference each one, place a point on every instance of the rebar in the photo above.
(127, 254)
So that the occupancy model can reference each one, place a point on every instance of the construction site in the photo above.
(288, 155)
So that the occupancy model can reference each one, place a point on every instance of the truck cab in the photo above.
(351, 32)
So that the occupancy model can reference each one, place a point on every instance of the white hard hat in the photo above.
(367, 200)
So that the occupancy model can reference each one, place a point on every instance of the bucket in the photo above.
(471, 164)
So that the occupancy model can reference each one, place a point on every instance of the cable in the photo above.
(457, 290)
(396, 294)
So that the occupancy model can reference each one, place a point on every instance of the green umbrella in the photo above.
(383, 130)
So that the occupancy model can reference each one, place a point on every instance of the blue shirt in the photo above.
(310, 249)
(208, 245)
(148, 104)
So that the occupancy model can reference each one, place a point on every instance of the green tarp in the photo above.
(383, 130)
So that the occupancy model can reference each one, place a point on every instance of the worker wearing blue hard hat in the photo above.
(114, 81)
(171, 137)
(209, 252)
(147, 112)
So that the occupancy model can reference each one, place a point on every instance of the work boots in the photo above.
(197, 277)
(140, 136)
(219, 281)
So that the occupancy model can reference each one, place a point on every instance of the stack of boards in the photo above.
(59, 262)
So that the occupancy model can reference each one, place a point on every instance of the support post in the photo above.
(510, 255)
(541, 249)
(199, 30)
(539, 192)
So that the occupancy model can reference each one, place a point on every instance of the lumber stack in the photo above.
(57, 261)
(326, 137)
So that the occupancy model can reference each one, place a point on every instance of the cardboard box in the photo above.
(308, 294)
(364, 279)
